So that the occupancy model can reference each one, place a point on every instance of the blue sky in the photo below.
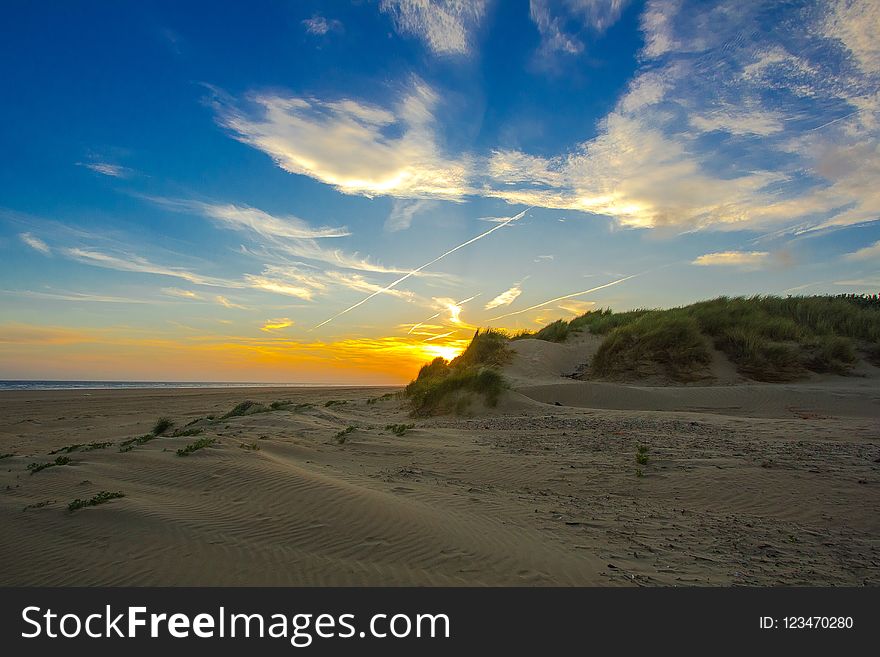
(334, 192)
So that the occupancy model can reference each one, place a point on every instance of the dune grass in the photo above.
(767, 338)
(37, 467)
(246, 407)
(81, 447)
(201, 443)
(442, 386)
(399, 429)
(162, 425)
(101, 498)
(342, 436)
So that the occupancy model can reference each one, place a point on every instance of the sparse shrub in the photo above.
(201, 443)
(38, 505)
(554, 332)
(642, 455)
(36, 467)
(334, 402)
(249, 446)
(162, 425)
(342, 435)
(6, 456)
(399, 429)
(194, 431)
(101, 498)
(246, 408)
(131, 443)
(832, 354)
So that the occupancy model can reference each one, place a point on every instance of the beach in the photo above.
(565, 482)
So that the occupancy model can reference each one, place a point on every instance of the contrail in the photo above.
(436, 315)
(567, 296)
(418, 269)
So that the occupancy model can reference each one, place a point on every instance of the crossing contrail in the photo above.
(567, 296)
(418, 269)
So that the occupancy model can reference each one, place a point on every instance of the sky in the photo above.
(332, 192)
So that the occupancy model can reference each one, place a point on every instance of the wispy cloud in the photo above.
(402, 213)
(177, 292)
(134, 263)
(553, 19)
(733, 259)
(356, 147)
(107, 169)
(319, 26)
(226, 303)
(505, 298)
(73, 296)
(871, 252)
(444, 25)
(35, 243)
(276, 324)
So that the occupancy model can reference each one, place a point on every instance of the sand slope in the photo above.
(529, 493)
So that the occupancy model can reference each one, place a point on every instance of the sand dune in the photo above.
(743, 485)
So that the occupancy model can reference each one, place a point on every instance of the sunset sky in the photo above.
(327, 192)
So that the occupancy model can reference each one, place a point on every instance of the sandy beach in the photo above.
(740, 484)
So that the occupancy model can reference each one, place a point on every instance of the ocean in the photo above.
(121, 385)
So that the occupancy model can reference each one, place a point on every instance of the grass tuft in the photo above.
(342, 435)
(101, 498)
(399, 429)
(162, 425)
(201, 443)
(36, 467)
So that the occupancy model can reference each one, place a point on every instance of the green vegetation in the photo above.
(101, 498)
(201, 443)
(642, 455)
(399, 429)
(667, 345)
(342, 435)
(246, 408)
(767, 338)
(162, 425)
(250, 446)
(39, 505)
(130, 444)
(386, 397)
(81, 447)
(443, 385)
(6, 456)
(36, 467)
(182, 433)
(334, 402)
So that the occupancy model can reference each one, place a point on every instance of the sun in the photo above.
(446, 351)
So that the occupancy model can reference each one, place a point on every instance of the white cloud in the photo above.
(856, 24)
(733, 259)
(226, 303)
(177, 292)
(279, 324)
(319, 26)
(871, 252)
(356, 147)
(402, 213)
(133, 263)
(107, 169)
(552, 19)
(505, 298)
(35, 243)
(444, 25)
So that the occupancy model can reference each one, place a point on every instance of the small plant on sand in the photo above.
(6, 456)
(131, 443)
(101, 498)
(246, 408)
(278, 405)
(639, 472)
(250, 446)
(334, 402)
(162, 425)
(201, 443)
(386, 397)
(81, 447)
(36, 467)
(38, 505)
(399, 429)
(194, 431)
(342, 435)
(642, 455)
